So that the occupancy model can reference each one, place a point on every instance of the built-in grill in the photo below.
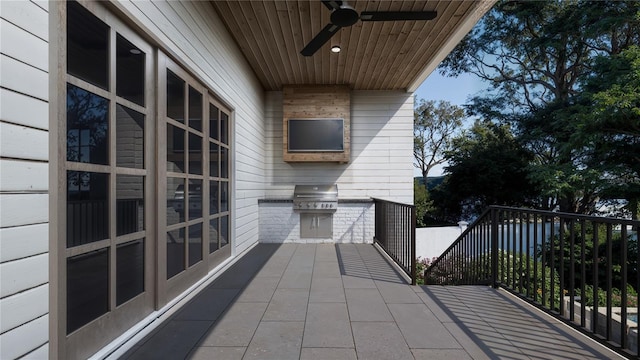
(315, 198)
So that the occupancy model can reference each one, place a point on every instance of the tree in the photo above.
(608, 127)
(433, 126)
(487, 166)
(423, 204)
(537, 57)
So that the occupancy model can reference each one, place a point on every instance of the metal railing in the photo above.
(583, 269)
(395, 233)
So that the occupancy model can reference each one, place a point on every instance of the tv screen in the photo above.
(316, 135)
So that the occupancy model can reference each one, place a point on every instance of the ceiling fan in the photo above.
(343, 15)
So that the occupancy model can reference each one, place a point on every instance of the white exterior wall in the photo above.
(24, 154)
(431, 242)
(381, 150)
(352, 223)
(194, 33)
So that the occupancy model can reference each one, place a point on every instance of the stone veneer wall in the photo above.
(353, 222)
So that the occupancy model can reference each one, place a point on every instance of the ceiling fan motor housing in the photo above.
(344, 16)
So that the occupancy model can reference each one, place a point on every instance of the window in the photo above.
(143, 172)
(105, 167)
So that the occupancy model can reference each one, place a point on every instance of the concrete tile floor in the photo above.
(345, 301)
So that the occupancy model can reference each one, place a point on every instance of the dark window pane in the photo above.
(224, 162)
(213, 122)
(129, 138)
(213, 197)
(195, 199)
(129, 71)
(224, 128)
(224, 231)
(87, 127)
(214, 159)
(175, 252)
(195, 244)
(87, 288)
(175, 97)
(175, 201)
(213, 235)
(87, 207)
(195, 154)
(224, 196)
(129, 270)
(129, 204)
(87, 46)
(175, 149)
(195, 109)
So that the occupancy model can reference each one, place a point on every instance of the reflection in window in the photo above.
(87, 127)
(213, 197)
(87, 46)
(129, 71)
(87, 288)
(175, 252)
(224, 196)
(213, 122)
(195, 244)
(224, 231)
(195, 109)
(175, 97)
(224, 162)
(175, 149)
(195, 154)
(129, 270)
(175, 201)
(129, 138)
(129, 204)
(195, 199)
(224, 128)
(87, 207)
(213, 235)
(214, 150)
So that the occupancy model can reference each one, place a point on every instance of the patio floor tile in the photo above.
(278, 340)
(346, 301)
(327, 325)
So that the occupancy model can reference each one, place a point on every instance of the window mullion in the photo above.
(112, 164)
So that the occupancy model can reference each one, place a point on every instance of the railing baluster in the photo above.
(623, 287)
(583, 272)
(609, 279)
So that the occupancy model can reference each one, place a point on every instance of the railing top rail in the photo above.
(601, 219)
(392, 202)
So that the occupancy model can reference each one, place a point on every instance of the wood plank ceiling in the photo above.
(375, 55)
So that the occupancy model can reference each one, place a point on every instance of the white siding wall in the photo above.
(195, 34)
(381, 150)
(24, 121)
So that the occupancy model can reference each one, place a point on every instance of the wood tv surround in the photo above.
(317, 102)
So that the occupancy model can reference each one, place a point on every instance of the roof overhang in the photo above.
(390, 55)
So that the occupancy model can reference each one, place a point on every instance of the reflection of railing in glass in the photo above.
(87, 221)
(129, 216)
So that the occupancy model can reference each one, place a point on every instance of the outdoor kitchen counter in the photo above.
(340, 201)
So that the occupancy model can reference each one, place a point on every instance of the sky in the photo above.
(454, 90)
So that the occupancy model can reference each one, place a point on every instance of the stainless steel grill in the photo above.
(315, 198)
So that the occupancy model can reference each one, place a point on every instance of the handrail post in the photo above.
(494, 247)
(413, 245)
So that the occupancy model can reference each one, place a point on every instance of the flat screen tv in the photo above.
(316, 135)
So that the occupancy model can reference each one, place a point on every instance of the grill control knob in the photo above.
(315, 205)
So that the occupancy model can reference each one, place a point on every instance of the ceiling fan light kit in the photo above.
(343, 15)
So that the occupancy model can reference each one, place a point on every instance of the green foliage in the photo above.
(565, 75)
(487, 166)
(422, 202)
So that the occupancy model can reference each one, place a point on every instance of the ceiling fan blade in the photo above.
(323, 36)
(397, 15)
(332, 4)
